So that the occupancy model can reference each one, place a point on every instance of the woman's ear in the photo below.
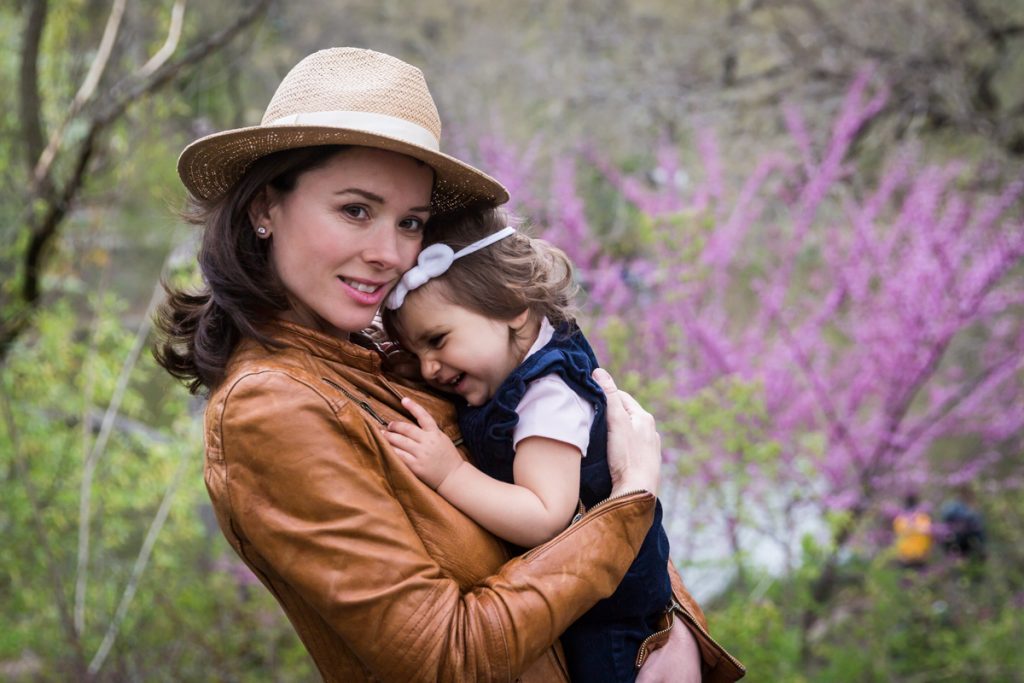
(259, 209)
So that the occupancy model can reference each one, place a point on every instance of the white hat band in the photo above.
(367, 122)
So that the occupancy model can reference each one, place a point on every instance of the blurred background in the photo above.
(799, 228)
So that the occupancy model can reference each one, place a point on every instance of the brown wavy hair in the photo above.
(502, 280)
(199, 330)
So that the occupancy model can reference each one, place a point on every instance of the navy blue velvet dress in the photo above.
(602, 645)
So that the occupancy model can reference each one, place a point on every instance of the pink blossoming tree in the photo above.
(807, 335)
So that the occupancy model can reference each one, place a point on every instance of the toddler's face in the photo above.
(460, 351)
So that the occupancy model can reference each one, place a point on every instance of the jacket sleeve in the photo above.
(308, 491)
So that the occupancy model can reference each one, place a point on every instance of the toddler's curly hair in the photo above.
(501, 280)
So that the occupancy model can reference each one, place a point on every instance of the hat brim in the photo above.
(210, 166)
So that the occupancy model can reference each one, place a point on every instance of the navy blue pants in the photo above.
(602, 645)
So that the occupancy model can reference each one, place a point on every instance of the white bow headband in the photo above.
(434, 261)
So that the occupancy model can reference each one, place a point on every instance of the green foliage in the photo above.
(953, 620)
(756, 632)
(191, 618)
(947, 623)
(728, 417)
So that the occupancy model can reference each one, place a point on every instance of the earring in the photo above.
(262, 231)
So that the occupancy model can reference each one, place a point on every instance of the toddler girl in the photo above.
(489, 315)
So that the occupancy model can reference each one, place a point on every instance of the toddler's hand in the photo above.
(428, 452)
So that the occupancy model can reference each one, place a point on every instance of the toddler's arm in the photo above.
(533, 510)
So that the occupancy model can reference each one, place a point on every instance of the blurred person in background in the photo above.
(912, 527)
(964, 526)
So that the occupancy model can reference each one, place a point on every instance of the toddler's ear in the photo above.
(520, 320)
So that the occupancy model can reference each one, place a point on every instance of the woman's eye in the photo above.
(413, 224)
(356, 211)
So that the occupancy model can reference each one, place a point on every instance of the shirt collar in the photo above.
(543, 337)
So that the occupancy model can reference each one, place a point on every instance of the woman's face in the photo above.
(344, 235)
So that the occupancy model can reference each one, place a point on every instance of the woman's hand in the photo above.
(634, 446)
(677, 661)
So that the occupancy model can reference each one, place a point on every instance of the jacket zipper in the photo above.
(581, 512)
(358, 401)
(642, 653)
(621, 495)
(690, 619)
(365, 405)
(675, 607)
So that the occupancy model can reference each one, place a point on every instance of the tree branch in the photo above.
(88, 387)
(99, 447)
(28, 82)
(126, 92)
(837, 425)
(46, 229)
(994, 33)
(1010, 363)
(43, 230)
(88, 87)
(140, 566)
(171, 44)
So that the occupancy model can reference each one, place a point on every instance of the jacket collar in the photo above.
(359, 351)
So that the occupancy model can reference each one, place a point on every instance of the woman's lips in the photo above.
(363, 291)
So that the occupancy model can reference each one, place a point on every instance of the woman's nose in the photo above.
(383, 248)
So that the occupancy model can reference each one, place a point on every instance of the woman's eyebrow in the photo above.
(362, 193)
(377, 199)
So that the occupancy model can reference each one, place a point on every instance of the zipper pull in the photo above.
(358, 401)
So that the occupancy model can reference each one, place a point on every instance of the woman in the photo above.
(309, 220)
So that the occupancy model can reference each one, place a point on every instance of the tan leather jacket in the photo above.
(382, 579)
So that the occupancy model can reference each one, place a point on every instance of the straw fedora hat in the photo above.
(342, 96)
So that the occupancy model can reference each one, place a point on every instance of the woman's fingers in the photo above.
(419, 412)
(612, 393)
(638, 416)
(618, 426)
(602, 377)
(634, 447)
(632, 407)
